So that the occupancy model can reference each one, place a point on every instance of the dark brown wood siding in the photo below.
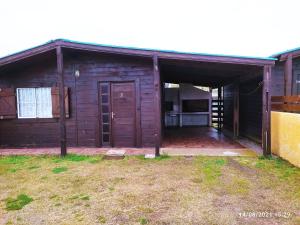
(30, 132)
(296, 77)
(277, 83)
(251, 109)
(277, 80)
(83, 123)
(228, 107)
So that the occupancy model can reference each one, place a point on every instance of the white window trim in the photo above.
(18, 106)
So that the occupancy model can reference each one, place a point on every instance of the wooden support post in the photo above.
(162, 108)
(266, 120)
(180, 108)
(236, 110)
(288, 75)
(210, 108)
(157, 101)
(62, 116)
(219, 107)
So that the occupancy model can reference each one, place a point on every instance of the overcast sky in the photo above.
(234, 27)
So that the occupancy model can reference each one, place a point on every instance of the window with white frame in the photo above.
(34, 102)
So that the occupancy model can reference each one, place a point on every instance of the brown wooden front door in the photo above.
(123, 114)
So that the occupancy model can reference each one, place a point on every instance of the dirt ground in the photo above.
(166, 190)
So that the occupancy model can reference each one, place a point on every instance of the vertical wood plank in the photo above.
(99, 114)
(138, 114)
(266, 126)
(180, 107)
(219, 107)
(157, 101)
(62, 119)
(210, 108)
(288, 75)
(236, 110)
(163, 107)
(76, 107)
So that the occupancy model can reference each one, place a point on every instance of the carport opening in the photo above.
(209, 105)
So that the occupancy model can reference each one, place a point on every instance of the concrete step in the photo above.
(114, 154)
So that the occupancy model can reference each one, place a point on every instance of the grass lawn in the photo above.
(168, 190)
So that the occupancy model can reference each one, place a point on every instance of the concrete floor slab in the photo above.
(197, 137)
(73, 150)
(208, 152)
(187, 141)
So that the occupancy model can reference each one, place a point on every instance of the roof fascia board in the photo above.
(28, 53)
(135, 52)
(168, 55)
(104, 49)
(294, 54)
(286, 52)
(216, 59)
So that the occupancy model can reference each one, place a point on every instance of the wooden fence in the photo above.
(286, 103)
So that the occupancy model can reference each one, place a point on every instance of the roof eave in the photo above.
(28, 53)
(295, 52)
(135, 52)
(168, 54)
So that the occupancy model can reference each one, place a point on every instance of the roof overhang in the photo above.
(282, 56)
(161, 54)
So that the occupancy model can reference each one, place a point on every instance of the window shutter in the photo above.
(55, 102)
(8, 108)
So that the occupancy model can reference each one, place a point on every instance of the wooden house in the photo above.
(66, 93)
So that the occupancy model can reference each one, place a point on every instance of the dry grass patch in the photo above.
(167, 190)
